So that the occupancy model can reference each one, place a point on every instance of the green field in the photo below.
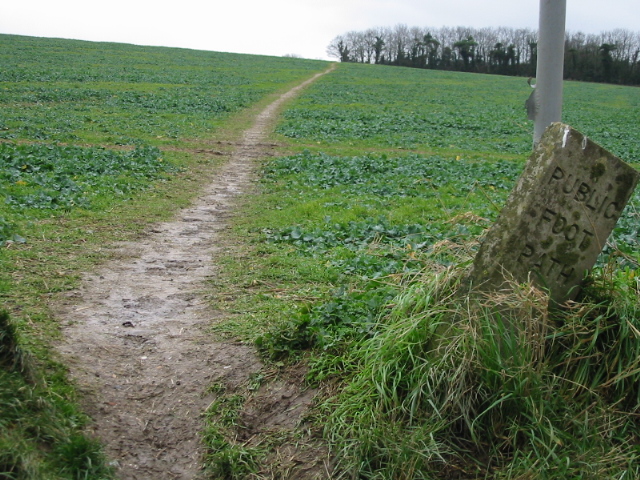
(400, 172)
(348, 256)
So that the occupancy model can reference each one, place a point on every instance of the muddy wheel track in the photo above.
(134, 332)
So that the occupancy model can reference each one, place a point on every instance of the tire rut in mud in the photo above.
(134, 333)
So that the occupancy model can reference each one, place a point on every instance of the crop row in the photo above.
(68, 91)
(414, 109)
(46, 178)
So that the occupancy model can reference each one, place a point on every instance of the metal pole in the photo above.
(550, 67)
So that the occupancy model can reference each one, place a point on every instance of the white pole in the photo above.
(550, 68)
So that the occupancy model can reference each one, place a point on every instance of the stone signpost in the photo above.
(558, 217)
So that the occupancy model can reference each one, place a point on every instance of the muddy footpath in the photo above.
(135, 335)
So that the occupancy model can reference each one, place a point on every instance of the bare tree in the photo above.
(339, 49)
(612, 56)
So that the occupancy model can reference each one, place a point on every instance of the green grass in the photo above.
(40, 427)
(450, 386)
(224, 458)
(356, 245)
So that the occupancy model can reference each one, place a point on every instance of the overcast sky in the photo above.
(279, 27)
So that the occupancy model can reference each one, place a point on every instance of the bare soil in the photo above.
(136, 343)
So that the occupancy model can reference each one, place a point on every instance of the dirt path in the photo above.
(134, 333)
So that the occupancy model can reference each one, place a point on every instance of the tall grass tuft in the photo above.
(493, 387)
(40, 431)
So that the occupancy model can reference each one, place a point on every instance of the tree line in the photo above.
(610, 57)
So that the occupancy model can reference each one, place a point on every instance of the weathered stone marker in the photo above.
(558, 217)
